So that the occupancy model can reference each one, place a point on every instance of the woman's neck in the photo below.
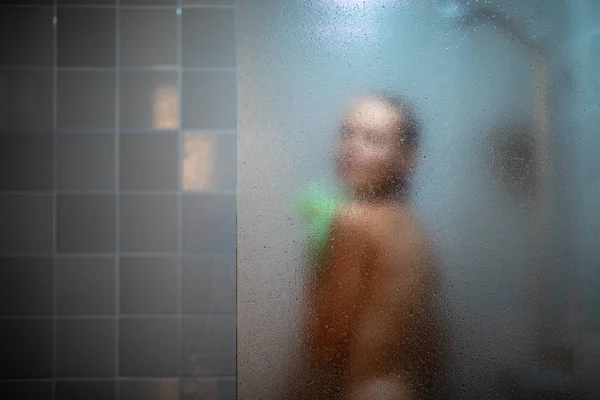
(392, 193)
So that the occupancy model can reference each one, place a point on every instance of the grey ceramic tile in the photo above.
(148, 347)
(208, 284)
(86, 37)
(27, 224)
(85, 286)
(78, 390)
(26, 101)
(159, 389)
(149, 100)
(209, 223)
(150, 2)
(87, 2)
(26, 161)
(208, 37)
(27, 2)
(210, 2)
(209, 161)
(195, 389)
(33, 28)
(226, 389)
(149, 223)
(86, 100)
(86, 162)
(148, 37)
(149, 161)
(26, 348)
(209, 100)
(85, 348)
(208, 346)
(148, 285)
(208, 389)
(26, 285)
(86, 223)
(26, 390)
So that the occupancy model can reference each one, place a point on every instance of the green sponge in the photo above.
(317, 208)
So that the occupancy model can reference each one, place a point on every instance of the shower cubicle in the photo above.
(507, 184)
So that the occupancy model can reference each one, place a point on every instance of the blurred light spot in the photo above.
(166, 107)
(199, 161)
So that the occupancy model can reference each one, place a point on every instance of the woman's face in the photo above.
(368, 155)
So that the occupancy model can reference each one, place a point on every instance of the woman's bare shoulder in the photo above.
(391, 230)
(376, 220)
(355, 215)
(365, 220)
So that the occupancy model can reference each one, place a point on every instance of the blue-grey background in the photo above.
(117, 203)
(521, 271)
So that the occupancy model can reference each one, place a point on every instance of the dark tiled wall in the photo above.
(117, 199)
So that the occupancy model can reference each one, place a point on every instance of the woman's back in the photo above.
(374, 315)
(373, 326)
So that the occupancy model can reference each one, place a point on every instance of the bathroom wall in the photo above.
(118, 199)
(299, 64)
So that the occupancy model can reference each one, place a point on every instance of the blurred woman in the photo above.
(373, 328)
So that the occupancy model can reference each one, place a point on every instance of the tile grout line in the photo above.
(117, 125)
(180, 155)
(125, 6)
(55, 194)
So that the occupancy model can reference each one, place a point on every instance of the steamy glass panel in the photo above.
(418, 199)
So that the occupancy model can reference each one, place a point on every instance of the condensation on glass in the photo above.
(504, 183)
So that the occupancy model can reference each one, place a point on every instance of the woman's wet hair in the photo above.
(409, 133)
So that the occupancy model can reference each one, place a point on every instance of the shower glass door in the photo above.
(503, 181)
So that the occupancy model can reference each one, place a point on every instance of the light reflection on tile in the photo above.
(198, 162)
(209, 162)
(149, 100)
(166, 110)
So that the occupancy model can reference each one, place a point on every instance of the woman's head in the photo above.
(377, 144)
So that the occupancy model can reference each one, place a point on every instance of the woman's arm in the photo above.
(336, 301)
(381, 365)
